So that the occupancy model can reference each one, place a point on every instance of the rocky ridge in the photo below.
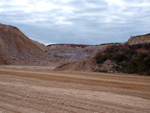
(141, 39)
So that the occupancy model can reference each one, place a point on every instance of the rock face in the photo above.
(72, 52)
(16, 48)
(141, 39)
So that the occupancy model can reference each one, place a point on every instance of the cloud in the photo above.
(74, 21)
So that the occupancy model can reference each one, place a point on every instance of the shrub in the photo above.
(139, 64)
(127, 57)
(119, 57)
(102, 57)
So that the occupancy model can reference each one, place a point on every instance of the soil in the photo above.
(44, 91)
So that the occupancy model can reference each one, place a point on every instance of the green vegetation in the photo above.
(129, 59)
(139, 64)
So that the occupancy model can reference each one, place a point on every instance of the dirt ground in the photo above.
(45, 91)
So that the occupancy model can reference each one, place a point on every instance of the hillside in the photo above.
(16, 48)
(125, 58)
(130, 57)
(141, 39)
(86, 65)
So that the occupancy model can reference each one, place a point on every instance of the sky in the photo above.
(77, 21)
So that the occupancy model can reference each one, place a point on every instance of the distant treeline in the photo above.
(110, 43)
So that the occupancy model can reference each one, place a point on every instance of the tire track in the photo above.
(19, 95)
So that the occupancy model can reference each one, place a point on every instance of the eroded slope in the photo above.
(16, 48)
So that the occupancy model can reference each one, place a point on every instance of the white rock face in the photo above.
(72, 52)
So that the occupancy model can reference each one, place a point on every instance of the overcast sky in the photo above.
(77, 21)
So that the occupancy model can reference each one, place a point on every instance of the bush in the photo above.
(127, 57)
(139, 64)
(119, 57)
(102, 57)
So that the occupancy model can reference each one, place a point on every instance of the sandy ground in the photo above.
(44, 91)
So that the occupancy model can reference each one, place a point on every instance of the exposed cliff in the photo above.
(141, 39)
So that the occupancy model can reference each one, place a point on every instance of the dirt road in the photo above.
(41, 91)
